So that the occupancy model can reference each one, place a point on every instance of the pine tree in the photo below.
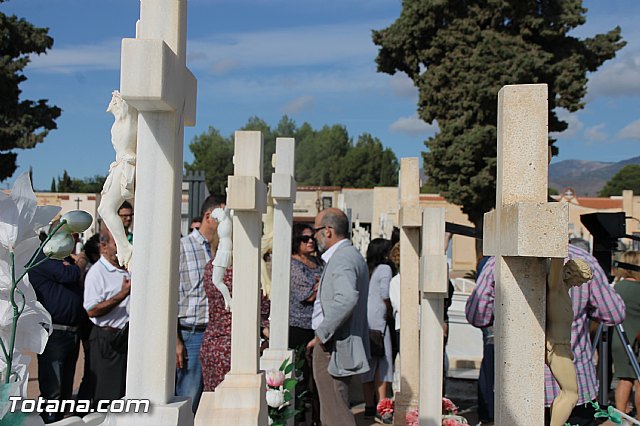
(23, 123)
(460, 53)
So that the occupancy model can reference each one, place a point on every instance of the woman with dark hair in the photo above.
(380, 374)
(306, 270)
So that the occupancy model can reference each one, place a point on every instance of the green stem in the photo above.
(17, 311)
(16, 315)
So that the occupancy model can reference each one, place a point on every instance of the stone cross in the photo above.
(433, 292)
(240, 398)
(410, 222)
(522, 231)
(283, 192)
(155, 80)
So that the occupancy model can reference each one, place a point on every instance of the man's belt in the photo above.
(187, 327)
(60, 327)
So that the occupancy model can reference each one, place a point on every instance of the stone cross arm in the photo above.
(152, 78)
(527, 229)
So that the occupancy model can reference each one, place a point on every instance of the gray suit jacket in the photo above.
(343, 293)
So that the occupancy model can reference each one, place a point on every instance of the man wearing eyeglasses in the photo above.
(126, 216)
(341, 344)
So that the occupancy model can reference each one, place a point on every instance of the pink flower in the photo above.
(448, 407)
(450, 422)
(411, 418)
(275, 378)
(385, 406)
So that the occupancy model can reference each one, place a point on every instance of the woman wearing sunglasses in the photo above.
(306, 269)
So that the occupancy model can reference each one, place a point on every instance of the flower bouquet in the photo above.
(385, 411)
(279, 394)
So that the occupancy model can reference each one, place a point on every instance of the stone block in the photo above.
(434, 273)
(410, 216)
(152, 79)
(283, 187)
(528, 229)
(246, 193)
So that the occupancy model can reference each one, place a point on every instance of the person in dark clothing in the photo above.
(58, 287)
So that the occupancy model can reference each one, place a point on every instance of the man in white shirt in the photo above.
(106, 300)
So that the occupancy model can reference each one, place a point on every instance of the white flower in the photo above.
(77, 221)
(59, 246)
(270, 421)
(20, 216)
(275, 398)
(275, 378)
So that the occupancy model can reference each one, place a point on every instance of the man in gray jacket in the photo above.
(341, 345)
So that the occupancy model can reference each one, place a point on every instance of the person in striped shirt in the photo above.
(595, 300)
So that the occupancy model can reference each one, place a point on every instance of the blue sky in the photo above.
(311, 59)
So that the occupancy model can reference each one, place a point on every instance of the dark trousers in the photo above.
(56, 368)
(486, 377)
(335, 409)
(108, 365)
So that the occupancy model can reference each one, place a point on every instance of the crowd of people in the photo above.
(344, 314)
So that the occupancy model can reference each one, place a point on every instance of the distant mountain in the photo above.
(586, 177)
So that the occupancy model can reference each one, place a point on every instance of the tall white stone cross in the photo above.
(410, 222)
(240, 398)
(283, 192)
(155, 80)
(433, 292)
(522, 231)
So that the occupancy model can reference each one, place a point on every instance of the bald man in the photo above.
(341, 344)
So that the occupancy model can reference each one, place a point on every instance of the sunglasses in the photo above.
(306, 238)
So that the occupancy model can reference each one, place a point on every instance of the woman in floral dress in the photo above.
(215, 352)
(306, 270)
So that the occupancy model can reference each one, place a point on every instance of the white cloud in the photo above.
(101, 56)
(595, 133)
(402, 86)
(413, 125)
(339, 45)
(298, 104)
(620, 77)
(575, 125)
(630, 131)
(224, 66)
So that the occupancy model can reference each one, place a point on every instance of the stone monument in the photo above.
(240, 398)
(410, 223)
(433, 291)
(154, 79)
(522, 231)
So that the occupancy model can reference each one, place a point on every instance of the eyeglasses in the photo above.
(306, 238)
(315, 230)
